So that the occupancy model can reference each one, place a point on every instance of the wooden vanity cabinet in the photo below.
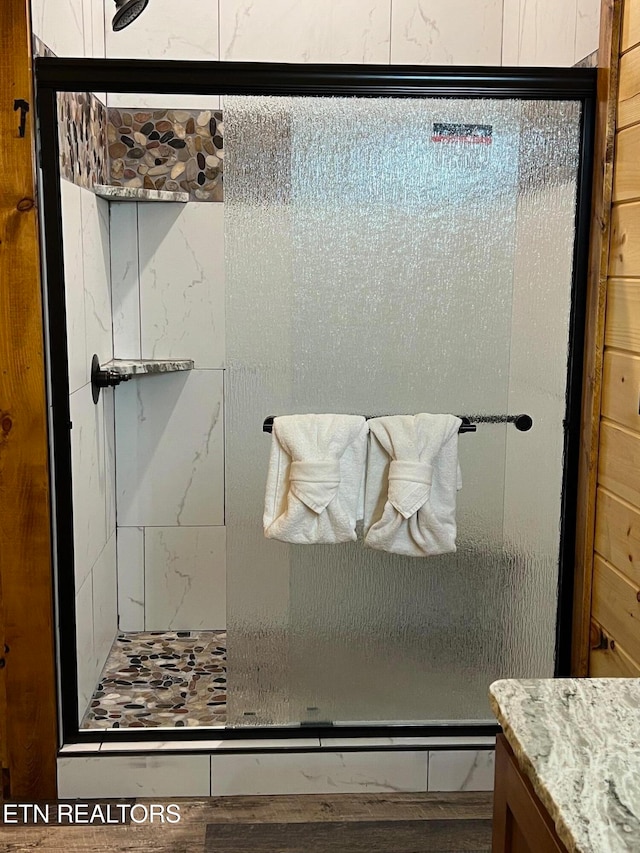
(521, 823)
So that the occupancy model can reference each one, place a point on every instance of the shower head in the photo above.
(126, 12)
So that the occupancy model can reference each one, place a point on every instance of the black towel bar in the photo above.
(469, 422)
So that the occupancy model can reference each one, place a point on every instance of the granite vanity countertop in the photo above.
(578, 742)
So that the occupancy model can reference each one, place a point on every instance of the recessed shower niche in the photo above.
(321, 242)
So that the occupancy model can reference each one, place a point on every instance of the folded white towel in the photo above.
(315, 478)
(412, 479)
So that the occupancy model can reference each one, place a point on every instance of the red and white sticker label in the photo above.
(474, 133)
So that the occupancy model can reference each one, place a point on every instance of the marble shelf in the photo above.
(138, 194)
(577, 740)
(137, 367)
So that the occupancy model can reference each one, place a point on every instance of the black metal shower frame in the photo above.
(54, 75)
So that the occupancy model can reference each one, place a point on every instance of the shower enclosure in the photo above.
(396, 240)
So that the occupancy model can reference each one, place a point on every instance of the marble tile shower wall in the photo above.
(462, 32)
(168, 302)
(85, 219)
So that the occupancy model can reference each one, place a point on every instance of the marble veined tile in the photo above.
(185, 578)
(511, 32)
(408, 741)
(89, 480)
(84, 641)
(461, 770)
(125, 288)
(306, 31)
(131, 578)
(105, 606)
(59, 24)
(113, 776)
(108, 403)
(320, 773)
(446, 32)
(587, 28)
(169, 449)
(94, 33)
(166, 30)
(547, 33)
(227, 745)
(182, 282)
(74, 285)
(163, 102)
(97, 275)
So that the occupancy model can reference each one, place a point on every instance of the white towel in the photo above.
(315, 478)
(412, 479)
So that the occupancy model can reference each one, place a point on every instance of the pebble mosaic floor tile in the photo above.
(167, 150)
(152, 679)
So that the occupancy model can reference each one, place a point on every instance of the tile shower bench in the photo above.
(567, 766)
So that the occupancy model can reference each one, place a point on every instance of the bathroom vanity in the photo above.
(567, 766)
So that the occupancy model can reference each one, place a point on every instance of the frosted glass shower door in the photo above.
(397, 256)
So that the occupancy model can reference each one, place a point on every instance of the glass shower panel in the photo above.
(372, 257)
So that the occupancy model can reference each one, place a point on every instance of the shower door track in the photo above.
(54, 75)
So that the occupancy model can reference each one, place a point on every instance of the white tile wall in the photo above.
(125, 289)
(97, 275)
(84, 642)
(169, 445)
(182, 282)
(74, 285)
(166, 30)
(451, 741)
(510, 32)
(89, 480)
(209, 745)
(59, 24)
(185, 578)
(137, 101)
(105, 607)
(108, 776)
(547, 33)
(306, 31)
(131, 578)
(334, 772)
(464, 32)
(587, 28)
(461, 770)
(94, 34)
(108, 403)
(446, 32)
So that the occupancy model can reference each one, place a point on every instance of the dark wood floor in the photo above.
(337, 823)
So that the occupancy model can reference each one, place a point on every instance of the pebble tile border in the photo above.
(167, 150)
(154, 678)
(82, 134)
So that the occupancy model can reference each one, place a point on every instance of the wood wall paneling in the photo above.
(607, 658)
(618, 534)
(619, 463)
(630, 25)
(623, 314)
(624, 257)
(629, 91)
(608, 54)
(28, 676)
(626, 176)
(616, 606)
(621, 388)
